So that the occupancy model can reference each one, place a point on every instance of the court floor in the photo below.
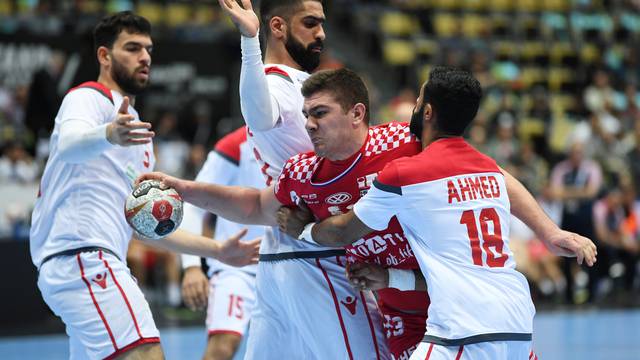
(584, 335)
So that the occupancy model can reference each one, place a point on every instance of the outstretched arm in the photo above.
(259, 108)
(340, 230)
(364, 276)
(560, 242)
(232, 252)
(243, 205)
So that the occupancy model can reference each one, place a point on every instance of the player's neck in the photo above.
(277, 54)
(113, 85)
(350, 148)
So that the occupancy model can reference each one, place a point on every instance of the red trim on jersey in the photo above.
(530, 354)
(135, 344)
(335, 303)
(275, 71)
(229, 145)
(95, 303)
(95, 86)
(230, 332)
(135, 322)
(460, 352)
(441, 159)
(373, 332)
(429, 352)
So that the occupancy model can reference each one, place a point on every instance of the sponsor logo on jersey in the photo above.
(338, 198)
(294, 197)
(365, 182)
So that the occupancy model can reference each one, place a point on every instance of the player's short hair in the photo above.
(346, 86)
(108, 29)
(282, 8)
(454, 95)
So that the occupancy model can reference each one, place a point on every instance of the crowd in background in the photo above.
(563, 118)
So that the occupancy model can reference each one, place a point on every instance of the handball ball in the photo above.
(152, 211)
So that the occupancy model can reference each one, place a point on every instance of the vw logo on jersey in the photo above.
(338, 198)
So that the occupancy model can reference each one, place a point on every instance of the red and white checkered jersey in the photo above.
(82, 204)
(332, 187)
(230, 163)
(273, 147)
(452, 203)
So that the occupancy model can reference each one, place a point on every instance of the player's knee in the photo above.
(144, 352)
(222, 346)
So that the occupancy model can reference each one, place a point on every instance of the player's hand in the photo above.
(568, 244)
(239, 253)
(195, 288)
(364, 276)
(244, 18)
(293, 220)
(166, 181)
(124, 131)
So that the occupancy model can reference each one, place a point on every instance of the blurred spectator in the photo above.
(171, 150)
(504, 146)
(195, 160)
(43, 98)
(633, 159)
(599, 96)
(531, 169)
(16, 166)
(575, 182)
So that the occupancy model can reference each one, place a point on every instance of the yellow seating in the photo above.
(446, 24)
(398, 24)
(154, 12)
(398, 52)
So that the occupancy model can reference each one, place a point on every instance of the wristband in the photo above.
(306, 234)
(403, 280)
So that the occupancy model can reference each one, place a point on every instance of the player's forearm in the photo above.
(79, 142)
(187, 243)
(238, 204)
(337, 231)
(527, 209)
(255, 98)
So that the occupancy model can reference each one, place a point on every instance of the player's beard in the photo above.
(305, 57)
(417, 122)
(126, 81)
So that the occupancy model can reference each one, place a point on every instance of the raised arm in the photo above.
(239, 204)
(560, 242)
(259, 108)
(80, 139)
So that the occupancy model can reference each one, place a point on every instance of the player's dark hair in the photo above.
(454, 95)
(345, 85)
(108, 29)
(282, 8)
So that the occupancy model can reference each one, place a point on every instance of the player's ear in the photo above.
(428, 113)
(104, 56)
(359, 113)
(278, 27)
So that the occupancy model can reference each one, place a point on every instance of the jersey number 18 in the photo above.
(488, 240)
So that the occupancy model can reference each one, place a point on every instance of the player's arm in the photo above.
(82, 137)
(233, 251)
(365, 276)
(560, 242)
(259, 108)
(239, 204)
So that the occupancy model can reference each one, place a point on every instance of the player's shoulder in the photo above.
(442, 159)
(279, 74)
(229, 145)
(390, 136)
(300, 167)
(91, 89)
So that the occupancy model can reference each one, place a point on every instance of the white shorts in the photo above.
(100, 303)
(306, 309)
(232, 297)
(491, 350)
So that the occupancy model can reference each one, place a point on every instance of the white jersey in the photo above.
(288, 137)
(81, 205)
(452, 202)
(230, 163)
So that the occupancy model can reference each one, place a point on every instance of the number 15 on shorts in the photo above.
(235, 307)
